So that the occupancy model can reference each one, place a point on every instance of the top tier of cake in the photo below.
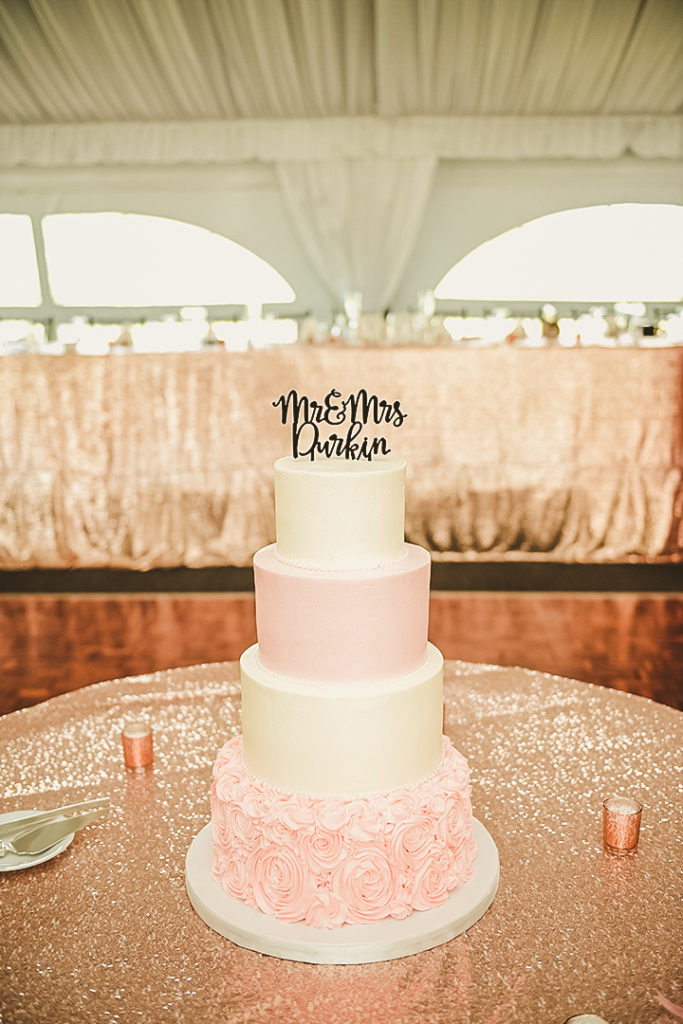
(334, 514)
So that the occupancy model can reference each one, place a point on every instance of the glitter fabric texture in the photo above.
(105, 931)
(163, 460)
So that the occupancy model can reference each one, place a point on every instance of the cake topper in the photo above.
(352, 414)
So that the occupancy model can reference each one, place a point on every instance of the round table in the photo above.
(106, 932)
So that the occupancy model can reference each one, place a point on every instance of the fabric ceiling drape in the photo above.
(167, 60)
(516, 57)
(164, 60)
(357, 220)
(441, 138)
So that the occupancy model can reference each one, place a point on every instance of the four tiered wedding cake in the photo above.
(341, 802)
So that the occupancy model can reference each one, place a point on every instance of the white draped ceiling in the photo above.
(353, 102)
(76, 61)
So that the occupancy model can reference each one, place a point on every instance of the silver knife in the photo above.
(16, 825)
(42, 837)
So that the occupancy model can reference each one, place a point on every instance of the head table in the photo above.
(155, 460)
(105, 931)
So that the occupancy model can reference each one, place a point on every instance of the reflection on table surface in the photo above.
(571, 930)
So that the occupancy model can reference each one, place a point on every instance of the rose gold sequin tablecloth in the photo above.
(142, 461)
(105, 931)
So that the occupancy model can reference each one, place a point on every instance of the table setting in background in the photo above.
(159, 460)
(586, 919)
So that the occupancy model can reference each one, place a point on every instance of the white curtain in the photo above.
(557, 57)
(407, 138)
(98, 60)
(185, 60)
(357, 220)
(90, 82)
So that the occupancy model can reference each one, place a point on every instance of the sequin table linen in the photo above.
(105, 931)
(143, 460)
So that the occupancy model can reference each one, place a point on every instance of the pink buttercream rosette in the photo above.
(329, 861)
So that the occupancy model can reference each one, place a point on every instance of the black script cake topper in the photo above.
(351, 415)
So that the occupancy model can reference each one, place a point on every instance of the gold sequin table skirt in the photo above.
(142, 461)
(106, 932)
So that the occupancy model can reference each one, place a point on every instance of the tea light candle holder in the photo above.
(138, 746)
(621, 824)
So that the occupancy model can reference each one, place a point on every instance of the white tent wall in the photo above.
(473, 201)
(469, 202)
(245, 116)
(242, 202)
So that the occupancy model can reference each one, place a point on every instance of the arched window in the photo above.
(19, 279)
(128, 260)
(77, 278)
(622, 253)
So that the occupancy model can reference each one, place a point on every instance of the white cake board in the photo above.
(352, 943)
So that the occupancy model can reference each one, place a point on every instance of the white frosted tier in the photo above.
(338, 514)
(340, 626)
(342, 738)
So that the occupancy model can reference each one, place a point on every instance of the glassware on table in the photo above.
(621, 824)
(138, 746)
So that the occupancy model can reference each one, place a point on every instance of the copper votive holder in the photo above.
(621, 825)
(138, 746)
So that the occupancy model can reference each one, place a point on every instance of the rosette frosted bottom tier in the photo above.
(329, 861)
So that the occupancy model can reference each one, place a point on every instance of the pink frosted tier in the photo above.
(342, 625)
(330, 861)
